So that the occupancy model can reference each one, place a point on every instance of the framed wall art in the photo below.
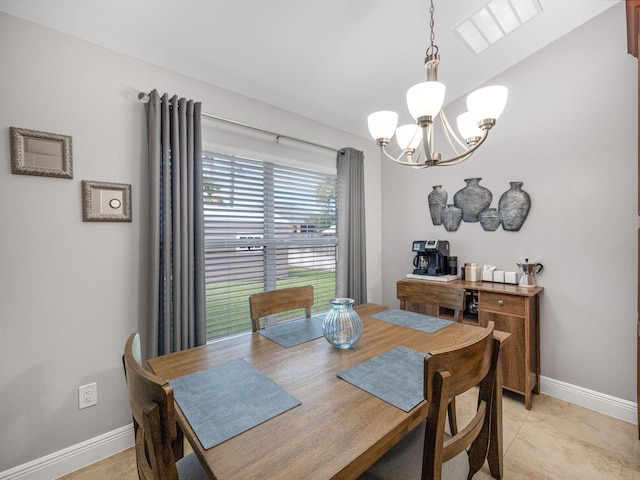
(106, 202)
(40, 153)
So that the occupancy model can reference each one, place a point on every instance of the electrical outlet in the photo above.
(87, 395)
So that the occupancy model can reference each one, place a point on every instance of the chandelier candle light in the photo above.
(424, 101)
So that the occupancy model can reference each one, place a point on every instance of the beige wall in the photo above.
(72, 292)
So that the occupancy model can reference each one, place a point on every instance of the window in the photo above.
(267, 226)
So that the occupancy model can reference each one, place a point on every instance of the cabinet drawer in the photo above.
(501, 303)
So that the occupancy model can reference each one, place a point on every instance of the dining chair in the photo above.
(158, 439)
(268, 303)
(428, 452)
(414, 297)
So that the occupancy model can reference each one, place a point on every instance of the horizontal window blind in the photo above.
(267, 226)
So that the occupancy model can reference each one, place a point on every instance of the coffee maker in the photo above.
(432, 257)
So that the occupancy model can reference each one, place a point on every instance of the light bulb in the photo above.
(487, 102)
(382, 124)
(468, 126)
(425, 99)
(409, 136)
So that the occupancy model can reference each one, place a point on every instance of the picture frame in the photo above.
(40, 153)
(106, 202)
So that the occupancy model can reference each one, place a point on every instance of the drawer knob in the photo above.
(501, 302)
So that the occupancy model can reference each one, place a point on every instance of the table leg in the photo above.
(495, 453)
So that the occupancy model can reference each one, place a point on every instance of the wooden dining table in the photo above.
(338, 430)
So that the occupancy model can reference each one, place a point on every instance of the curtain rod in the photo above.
(144, 98)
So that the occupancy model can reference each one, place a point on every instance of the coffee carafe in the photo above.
(529, 272)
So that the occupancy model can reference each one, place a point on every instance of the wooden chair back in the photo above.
(158, 440)
(449, 373)
(435, 296)
(277, 301)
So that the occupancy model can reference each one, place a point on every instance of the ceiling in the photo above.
(334, 61)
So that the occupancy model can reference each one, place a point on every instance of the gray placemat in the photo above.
(294, 333)
(224, 401)
(395, 376)
(417, 321)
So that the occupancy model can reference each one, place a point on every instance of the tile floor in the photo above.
(554, 440)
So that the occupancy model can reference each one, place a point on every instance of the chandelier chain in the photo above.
(432, 49)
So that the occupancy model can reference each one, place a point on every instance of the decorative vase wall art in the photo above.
(473, 204)
(472, 199)
(451, 217)
(513, 207)
(489, 219)
(437, 202)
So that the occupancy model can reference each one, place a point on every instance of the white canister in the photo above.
(472, 272)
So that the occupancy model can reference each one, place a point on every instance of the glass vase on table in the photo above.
(342, 326)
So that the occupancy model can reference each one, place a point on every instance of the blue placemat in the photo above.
(417, 321)
(395, 376)
(224, 401)
(294, 333)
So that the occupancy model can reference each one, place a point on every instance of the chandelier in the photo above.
(424, 101)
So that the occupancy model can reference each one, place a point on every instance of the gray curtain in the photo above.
(176, 285)
(351, 273)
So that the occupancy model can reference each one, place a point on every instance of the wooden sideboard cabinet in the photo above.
(512, 308)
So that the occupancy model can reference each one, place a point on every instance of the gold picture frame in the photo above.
(40, 153)
(106, 202)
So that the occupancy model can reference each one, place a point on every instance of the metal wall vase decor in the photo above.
(472, 204)
(513, 207)
(437, 202)
(489, 219)
(472, 199)
(451, 218)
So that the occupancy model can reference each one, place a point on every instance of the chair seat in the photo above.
(190, 468)
(404, 461)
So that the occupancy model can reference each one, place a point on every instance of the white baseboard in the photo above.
(73, 458)
(95, 449)
(600, 402)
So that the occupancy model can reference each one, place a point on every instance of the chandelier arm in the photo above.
(414, 164)
(462, 157)
(454, 161)
(450, 132)
(427, 141)
(429, 162)
(395, 159)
